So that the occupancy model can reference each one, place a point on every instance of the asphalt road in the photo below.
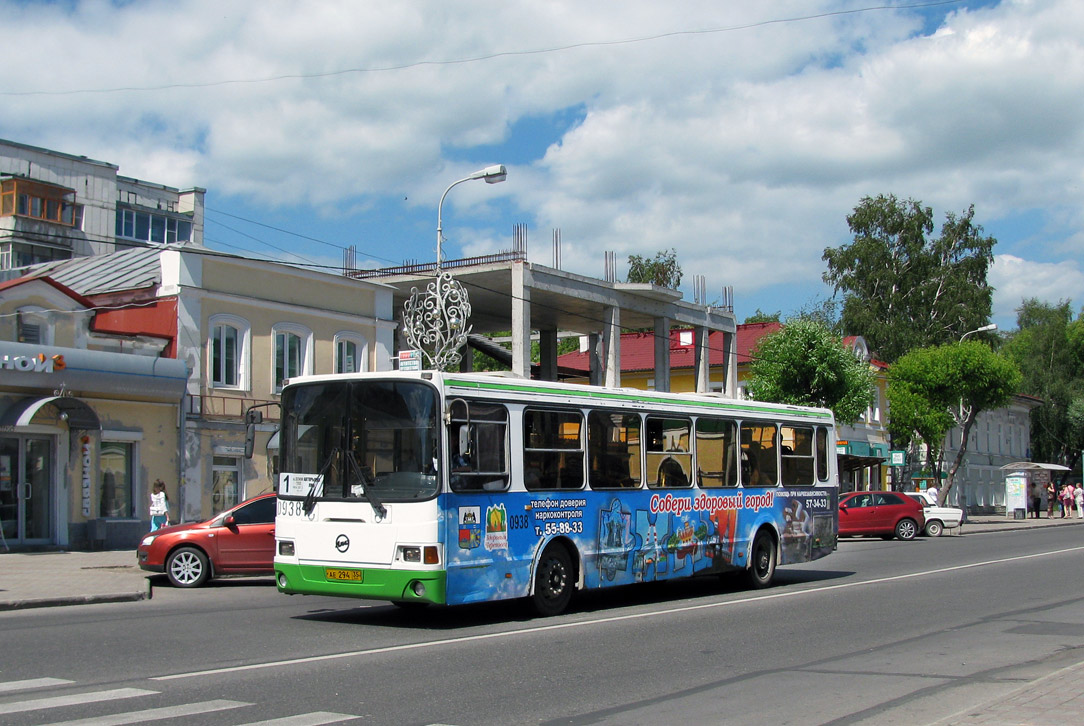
(879, 633)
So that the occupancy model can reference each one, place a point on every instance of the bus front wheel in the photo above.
(762, 563)
(552, 581)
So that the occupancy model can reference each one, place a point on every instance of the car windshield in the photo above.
(370, 440)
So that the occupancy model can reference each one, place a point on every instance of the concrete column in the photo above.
(611, 340)
(703, 359)
(731, 365)
(547, 354)
(521, 320)
(594, 357)
(662, 353)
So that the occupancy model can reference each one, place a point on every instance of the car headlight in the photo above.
(147, 540)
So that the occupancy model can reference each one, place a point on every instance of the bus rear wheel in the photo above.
(552, 581)
(762, 562)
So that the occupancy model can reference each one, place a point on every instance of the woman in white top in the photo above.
(1078, 498)
(159, 505)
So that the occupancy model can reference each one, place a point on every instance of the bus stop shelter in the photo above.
(1018, 475)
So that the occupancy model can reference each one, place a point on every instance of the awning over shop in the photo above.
(73, 410)
(852, 462)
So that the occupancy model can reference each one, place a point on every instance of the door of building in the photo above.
(26, 490)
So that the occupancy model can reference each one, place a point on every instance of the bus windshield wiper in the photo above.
(366, 480)
(309, 503)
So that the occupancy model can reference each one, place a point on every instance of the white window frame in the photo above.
(138, 495)
(361, 344)
(244, 339)
(306, 350)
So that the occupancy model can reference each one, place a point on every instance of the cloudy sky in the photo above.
(738, 134)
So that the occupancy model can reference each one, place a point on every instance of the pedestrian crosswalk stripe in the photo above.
(31, 683)
(75, 699)
(305, 719)
(155, 714)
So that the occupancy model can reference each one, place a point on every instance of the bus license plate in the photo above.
(331, 573)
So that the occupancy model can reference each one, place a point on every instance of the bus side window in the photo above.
(797, 455)
(715, 450)
(478, 447)
(552, 450)
(669, 452)
(613, 449)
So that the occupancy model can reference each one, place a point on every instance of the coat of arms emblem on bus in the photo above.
(470, 529)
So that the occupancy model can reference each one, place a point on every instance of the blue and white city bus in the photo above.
(452, 488)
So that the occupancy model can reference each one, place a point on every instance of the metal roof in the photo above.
(132, 269)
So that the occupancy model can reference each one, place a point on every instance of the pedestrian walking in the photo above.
(1078, 500)
(1036, 495)
(159, 505)
(1051, 499)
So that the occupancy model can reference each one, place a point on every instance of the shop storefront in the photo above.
(83, 434)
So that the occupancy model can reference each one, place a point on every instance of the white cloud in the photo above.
(743, 148)
(1016, 280)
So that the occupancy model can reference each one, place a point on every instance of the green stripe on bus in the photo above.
(376, 584)
(596, 394)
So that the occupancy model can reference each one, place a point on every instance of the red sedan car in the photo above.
(881, 513)
(239, 541)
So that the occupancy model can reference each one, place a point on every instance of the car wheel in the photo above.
(906, 529)
(762, 562)
(934, 528)
(188, 567)
(552, 581)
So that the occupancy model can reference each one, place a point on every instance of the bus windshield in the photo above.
(365, 439)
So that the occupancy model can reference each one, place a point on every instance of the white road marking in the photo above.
(75, 699)
(30, 683)
(154, 714)
(305, 719)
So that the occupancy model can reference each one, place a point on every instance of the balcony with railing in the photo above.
(229, 408)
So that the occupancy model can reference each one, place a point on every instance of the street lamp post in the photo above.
(983, 329)
(437, 318)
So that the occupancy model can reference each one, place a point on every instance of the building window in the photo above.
(116, 463)
(33, 326)
(293, 346)
(34, 199)
(227, 349)
(350, 353)
(150, 227)
(225, 477)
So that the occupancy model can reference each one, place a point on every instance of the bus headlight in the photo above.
(410, 554)
(286, 548)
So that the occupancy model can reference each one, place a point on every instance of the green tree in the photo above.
(762, 317)
(932, 390)
(1048, 347)
(904, 289)
(805, 364)
(663, 271)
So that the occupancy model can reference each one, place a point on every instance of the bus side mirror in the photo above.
(464, 440)
(252, 418)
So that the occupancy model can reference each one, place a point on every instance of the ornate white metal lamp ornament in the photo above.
(435, 321)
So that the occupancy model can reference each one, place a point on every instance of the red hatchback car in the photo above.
(881, 513)
(239, 541)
